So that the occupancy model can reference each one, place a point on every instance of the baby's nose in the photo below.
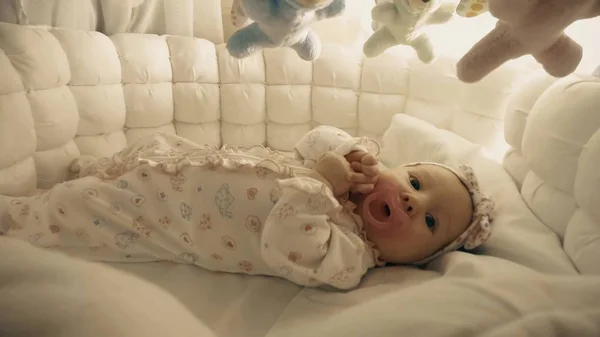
(409, 204)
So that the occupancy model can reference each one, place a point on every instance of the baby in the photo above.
(324, 217)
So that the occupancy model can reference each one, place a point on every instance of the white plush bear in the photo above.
(400, 22)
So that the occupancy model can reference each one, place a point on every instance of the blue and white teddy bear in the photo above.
(279, 23)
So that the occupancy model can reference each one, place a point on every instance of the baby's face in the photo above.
(415, 211)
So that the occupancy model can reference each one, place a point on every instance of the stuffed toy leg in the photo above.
(399, 23)
(237, 15)
(279, 23)
(534, 27)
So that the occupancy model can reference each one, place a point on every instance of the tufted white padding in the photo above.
(69, 92)
(553, 128)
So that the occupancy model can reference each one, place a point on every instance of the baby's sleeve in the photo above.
(322, 139)
(302, 243)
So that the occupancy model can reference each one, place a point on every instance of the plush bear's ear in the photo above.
(472, 8)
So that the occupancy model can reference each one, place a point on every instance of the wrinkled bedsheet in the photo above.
(47, 294)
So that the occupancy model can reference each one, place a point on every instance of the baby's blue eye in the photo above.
(430, 221)
(414, 183)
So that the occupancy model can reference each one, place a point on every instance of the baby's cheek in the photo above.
(395, 176)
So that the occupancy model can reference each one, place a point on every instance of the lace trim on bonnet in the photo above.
(480, 228)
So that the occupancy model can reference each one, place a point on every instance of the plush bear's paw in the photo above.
(336, 8)
(236, 50)
(425, 56)
(562, 58)
(376, 25)
(238, 20)
(378, 43)
(247, 41)
(310, 48)
(309, 53)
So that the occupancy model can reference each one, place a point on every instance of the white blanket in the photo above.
(477, 297)
(46, 294)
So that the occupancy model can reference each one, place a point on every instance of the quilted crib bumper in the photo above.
(553, 128)
(66, 93)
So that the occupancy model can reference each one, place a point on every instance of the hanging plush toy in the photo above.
(400, 22)
(279, 23)
(534, 27)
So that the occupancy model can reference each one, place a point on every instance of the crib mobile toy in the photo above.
(524, 27)
(279, 23)
(399, 22)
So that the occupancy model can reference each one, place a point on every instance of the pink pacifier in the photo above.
(383, 209)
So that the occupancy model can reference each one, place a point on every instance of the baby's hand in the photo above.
(336, 170)
(365, 171)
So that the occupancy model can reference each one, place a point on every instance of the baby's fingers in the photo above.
(355, 156)
(363, 188)
(369, 160)
(369, 170)
(360, 178)
(356, 166)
